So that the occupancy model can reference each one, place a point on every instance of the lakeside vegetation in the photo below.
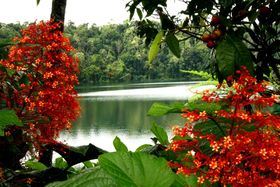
(114, 53)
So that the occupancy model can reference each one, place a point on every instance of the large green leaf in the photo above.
(96, 177)
(145, 148)
(137, 169)
(119, 145)
(159, 109)
(183, 180)
(231, 54)
(160, 134)
(173, 44)
(8, 117)
(155, 46)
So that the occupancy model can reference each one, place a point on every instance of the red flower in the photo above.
(42, 91)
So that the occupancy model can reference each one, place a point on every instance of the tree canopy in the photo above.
(116, 53)
(242, 32)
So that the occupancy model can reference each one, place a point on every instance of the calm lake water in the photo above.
(121, 110)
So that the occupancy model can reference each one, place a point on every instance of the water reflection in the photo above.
(123, 113)
(129, 116)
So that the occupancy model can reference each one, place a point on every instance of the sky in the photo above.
(99, 12)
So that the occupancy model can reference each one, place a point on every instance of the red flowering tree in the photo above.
(237, 143)
(38, 82)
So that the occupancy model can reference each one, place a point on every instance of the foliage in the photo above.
(124, 169)
(119, 145)
(7, 118)
(241, 32)
(155, 46)
(160, 134)
(201, 74)
(34, 165)
(116, 53)
(235, 144)
(94, 177)
(158, 109)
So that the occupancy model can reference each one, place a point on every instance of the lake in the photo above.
(121, 110)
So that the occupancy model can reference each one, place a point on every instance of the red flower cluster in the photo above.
(237, 145)
(43, 79)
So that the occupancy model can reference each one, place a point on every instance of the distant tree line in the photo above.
(116, 53)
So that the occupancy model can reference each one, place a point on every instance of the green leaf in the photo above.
(159, 109)
(202, 74)
(137, 169)
(252, 16)
(198, 105)
(189, 138)
(60, 163)
(88, 164)
(183, 180)
(249, 127)
(211, 127)
(10, 72)
(166, 22)
(94, 177)
(144, 148)
(160, 134)
(155, 46)
(173, 44)
(275, 109)
(119, 145)
(38, 1)
(139, 12)
(205, 148)
(24, 80)
(35, 165)
(5, 42)
(8, 117)
(226, 3)
(231, 54)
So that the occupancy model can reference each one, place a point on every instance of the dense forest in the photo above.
(116, 53)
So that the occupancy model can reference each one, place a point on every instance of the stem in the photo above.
(190, 33)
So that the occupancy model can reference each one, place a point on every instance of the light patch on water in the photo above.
(180, 92)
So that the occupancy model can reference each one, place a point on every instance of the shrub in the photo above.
(237, 144)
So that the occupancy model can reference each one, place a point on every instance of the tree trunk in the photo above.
(58, 12)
